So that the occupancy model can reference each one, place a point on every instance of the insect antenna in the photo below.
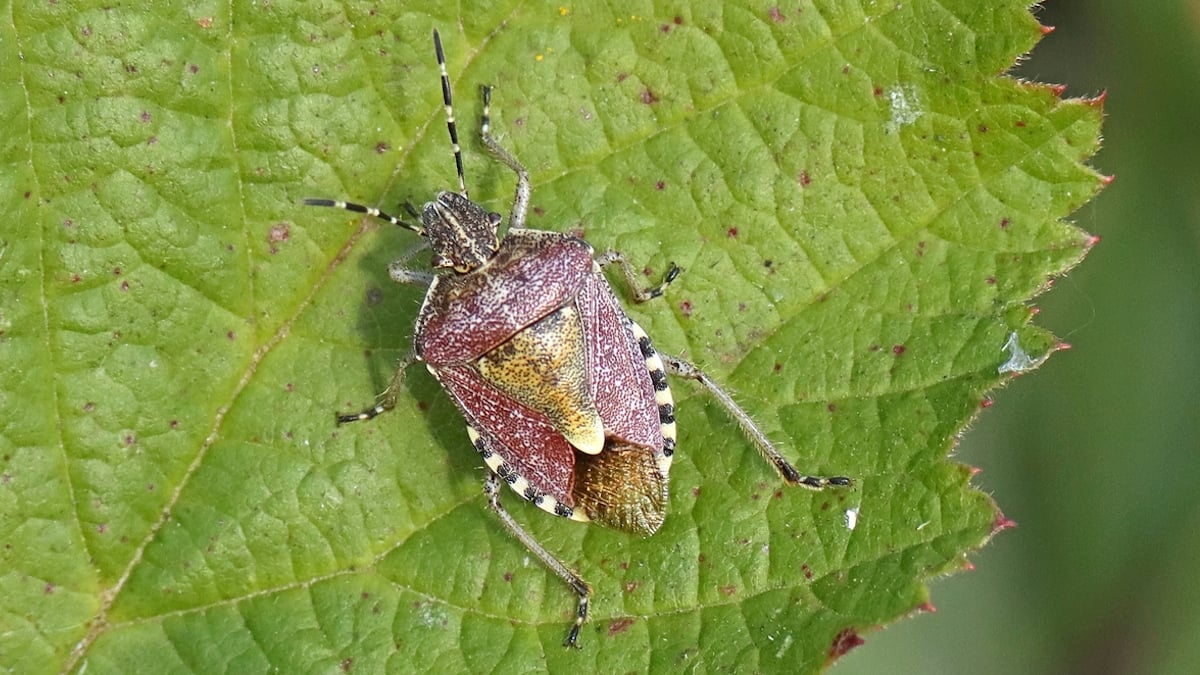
(450, 125)
(368, 210)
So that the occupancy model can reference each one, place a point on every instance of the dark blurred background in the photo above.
(1097, 454)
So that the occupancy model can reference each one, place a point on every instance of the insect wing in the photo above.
(533, 274)
(524, 439)
(618, 376)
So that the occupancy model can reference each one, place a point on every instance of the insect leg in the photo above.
(640, 293)
(521, 200)
(387, 400)
(491, 488)
(403, 275)
(765, 447)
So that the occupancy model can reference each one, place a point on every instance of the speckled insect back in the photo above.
(564, 395)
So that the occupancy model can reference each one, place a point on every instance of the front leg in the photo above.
(387, 400)
(401, 274)
(521, 200)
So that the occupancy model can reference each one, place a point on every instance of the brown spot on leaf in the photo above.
(619, 626)
(843, 642)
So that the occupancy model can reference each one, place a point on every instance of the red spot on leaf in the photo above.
(660, 185)
(685, 308)
(843, 642)
(619, 626)
(648, 97)
(1004, 222)
(776, 15)
(898, 349)
(729, 590)
(631, 586)
(803, 178)
(732, 232)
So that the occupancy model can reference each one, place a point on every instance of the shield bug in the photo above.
(564, 396)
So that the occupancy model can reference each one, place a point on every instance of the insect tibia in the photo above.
(640, 293)
(765, 447)
(367, 414)
(387, 400)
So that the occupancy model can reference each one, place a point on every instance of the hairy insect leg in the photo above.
(491, 488)
(387, 400)
(521, 200)
(640, 293)
(765, 447)
(403, 275)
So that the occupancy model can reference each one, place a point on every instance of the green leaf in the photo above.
(863, 204)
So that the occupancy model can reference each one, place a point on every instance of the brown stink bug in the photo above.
(564, 395)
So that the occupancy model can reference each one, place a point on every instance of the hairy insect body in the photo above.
(550, 366)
